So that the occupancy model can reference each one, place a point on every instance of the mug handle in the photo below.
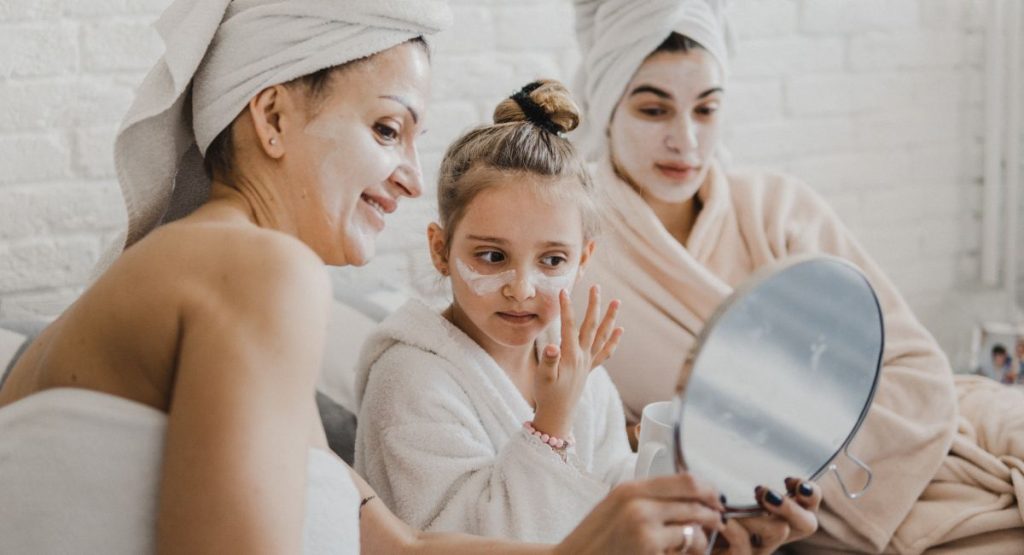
(645, 458)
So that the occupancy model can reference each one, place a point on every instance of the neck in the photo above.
(257, 200)
(677, 217)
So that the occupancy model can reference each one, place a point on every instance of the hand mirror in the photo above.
(780, 379)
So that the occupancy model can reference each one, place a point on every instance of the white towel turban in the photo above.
(615, 36)
(223, 52)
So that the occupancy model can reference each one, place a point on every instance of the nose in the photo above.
(408, 176)
(682, 137)
(521, 287)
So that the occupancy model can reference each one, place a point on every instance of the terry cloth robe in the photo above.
(441, 437)
(748, 221)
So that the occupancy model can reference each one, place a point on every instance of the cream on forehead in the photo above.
(482, 284)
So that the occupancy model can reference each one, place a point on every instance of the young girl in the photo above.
(473, 420)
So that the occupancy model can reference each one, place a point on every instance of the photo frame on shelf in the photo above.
(997, 351)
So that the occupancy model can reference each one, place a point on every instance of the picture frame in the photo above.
(997, 351)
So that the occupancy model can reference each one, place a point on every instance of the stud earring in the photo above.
(273, 141)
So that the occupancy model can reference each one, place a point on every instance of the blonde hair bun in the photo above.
(545, 103)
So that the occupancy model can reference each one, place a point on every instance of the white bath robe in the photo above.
(440, 437)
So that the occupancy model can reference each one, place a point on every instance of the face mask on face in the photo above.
(484, 284)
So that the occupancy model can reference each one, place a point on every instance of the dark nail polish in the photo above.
(805, 489)
(722, 499)
(723, 518)
(755, 540)
(773, 498)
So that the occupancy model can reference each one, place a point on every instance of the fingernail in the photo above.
(721, 498)
(805, 489)
(724, 519)
(755, 540)
(758, 490)
(773, 498)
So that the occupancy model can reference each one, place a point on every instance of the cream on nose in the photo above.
(521, 287)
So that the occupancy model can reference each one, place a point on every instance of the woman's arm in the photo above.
(242, 409)
(636, 517)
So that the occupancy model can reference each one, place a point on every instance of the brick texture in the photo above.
(875, 103)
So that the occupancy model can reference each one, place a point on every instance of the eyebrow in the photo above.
(500, 241)
(666, 95)
(404, 102)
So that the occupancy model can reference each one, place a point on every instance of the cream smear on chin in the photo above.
(481, 284)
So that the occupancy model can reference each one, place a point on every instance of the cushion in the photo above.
(11, 345)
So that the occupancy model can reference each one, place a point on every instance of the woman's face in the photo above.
(665, 128)
(355, 156)
(510, 255)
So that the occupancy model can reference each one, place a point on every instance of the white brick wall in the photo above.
(876, 103)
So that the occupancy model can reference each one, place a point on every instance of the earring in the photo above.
(273, 141)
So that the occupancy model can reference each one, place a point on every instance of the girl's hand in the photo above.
(562, 373)
(650, 516)
(792, 518)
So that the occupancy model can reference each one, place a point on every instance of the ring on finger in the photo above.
(688, 535)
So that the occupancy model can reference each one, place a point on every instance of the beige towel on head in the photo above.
(750, 220)
(615, 36)
(223, 52)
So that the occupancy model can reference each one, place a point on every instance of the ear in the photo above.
(438, 248)
(588, 251)
(272, 110)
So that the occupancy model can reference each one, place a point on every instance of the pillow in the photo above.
(354, 315)
(15, 336)
(347, 330)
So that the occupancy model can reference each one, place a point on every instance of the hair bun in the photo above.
(545, 103)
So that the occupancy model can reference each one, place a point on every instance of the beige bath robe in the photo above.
(938, 477)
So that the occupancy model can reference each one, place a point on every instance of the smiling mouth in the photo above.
(374, 204)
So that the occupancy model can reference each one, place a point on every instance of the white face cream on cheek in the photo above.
(543, 284)
(481, 284)
(550, 285)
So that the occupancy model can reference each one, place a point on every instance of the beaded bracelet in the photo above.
(554, 442)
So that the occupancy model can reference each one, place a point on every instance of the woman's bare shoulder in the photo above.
(228, 258)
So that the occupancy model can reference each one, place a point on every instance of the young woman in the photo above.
(684, 231)
(171, 407)
(472, 419)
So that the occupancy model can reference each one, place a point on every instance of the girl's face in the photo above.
(665, 128)
(509, 256)
(355, 156)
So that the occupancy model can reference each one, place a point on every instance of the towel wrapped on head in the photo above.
(219, 54)
(615, 36)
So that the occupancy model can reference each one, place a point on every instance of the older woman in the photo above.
(684, 232)
(182, 380)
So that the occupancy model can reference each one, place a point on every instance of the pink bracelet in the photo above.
(554, 442)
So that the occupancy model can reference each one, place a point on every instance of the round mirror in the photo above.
(780, 378)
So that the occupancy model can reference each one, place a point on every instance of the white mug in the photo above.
(654, 455)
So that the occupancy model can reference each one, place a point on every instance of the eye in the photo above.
(553, 261)
(386, 132)
(491, 257)
(653, 111)
(707, 110)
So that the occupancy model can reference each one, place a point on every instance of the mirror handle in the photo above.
(867, 469)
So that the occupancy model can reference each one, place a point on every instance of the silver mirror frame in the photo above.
(740, 293)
